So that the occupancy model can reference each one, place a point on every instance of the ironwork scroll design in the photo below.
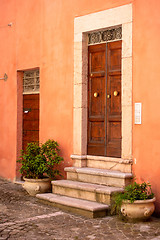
(105, 36)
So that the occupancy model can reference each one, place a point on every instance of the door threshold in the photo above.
(100, 158)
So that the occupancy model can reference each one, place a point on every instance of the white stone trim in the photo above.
(82, 25)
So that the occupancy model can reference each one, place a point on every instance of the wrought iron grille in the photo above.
(31, 81)
(105, 35)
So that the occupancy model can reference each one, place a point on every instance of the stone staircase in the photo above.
(90, 185)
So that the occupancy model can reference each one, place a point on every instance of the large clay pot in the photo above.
(139, 210)
(35, 186)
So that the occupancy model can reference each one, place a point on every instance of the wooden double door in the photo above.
(104, 99)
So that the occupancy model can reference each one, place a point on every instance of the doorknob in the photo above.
(108, 95)
(96, 94)
(115, 93)
(26, 110)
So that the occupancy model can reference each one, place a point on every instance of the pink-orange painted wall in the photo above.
(42, 35)
(146, 86)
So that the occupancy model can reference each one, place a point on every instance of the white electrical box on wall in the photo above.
(138, 113)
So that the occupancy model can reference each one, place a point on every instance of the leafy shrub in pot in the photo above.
(40, 161)
(136, 202)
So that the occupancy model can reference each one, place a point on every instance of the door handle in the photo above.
(108, 95)
(26, 110)
(115, 93)
(96, 94)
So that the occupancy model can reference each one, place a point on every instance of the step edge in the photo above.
(72, 203)
(101, 158)
(100, 172)
(91, 188)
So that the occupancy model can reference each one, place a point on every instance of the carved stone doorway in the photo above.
(120, 16)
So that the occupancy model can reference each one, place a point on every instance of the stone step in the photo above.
(86, 191)
(110, 163)
(99, 176)
(82, 207)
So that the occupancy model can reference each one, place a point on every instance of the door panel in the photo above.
(104, 99)
(33, 114)
(97, 131)
(97, 103)
(96, 100)
(115, 101)
(30, 119)
(113, 138)
(31, 125)
(97, 59)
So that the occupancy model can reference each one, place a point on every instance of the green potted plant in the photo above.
(136, 202)
(39, 165)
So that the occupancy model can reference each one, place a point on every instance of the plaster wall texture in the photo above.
(42, 35)
(146, 75)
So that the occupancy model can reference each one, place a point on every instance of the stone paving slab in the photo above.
(24, 217)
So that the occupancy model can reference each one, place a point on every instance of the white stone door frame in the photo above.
(82, 26)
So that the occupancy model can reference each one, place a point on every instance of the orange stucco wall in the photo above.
(42, 35)
(146, 85)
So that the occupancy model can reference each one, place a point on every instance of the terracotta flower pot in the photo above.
(138, 210)
(35, 186)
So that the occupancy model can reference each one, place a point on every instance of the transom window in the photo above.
(31, 82)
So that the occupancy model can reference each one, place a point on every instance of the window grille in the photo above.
(111, 34)
(31, 82)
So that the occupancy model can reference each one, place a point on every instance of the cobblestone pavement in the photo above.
(24, 217)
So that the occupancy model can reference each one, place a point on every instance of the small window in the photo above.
(31, 82)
